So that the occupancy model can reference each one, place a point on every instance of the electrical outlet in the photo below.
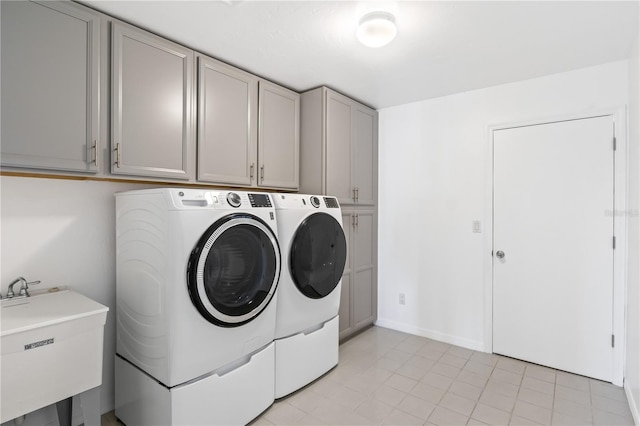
(475, 227)
(401, 298)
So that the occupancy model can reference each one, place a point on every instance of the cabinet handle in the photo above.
(353, 221)
(357, 220)
(353, 194)
(251, 171)
(117, 155)
(357, 194)
(94, 153)
(262, 173)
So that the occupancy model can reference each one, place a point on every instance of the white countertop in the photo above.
(44, 308)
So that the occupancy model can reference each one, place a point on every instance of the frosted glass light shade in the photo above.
(377, 29)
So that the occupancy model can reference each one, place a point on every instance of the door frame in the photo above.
(619, 116)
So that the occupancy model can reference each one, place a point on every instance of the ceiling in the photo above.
(442, 47)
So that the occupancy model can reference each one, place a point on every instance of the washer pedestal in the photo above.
(303, 357)
(231, 398)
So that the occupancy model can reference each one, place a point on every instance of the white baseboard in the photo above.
(431, 334)
(633, 406)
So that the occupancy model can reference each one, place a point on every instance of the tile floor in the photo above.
(110, 419)
(390, 378)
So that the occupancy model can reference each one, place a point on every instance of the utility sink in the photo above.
(51, 346)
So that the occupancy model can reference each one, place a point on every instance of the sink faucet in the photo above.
(24, 287)
(23, 284)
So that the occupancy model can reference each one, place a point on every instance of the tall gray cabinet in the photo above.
(338, 155)
(50, 85)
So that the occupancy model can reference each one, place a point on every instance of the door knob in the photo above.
(500, 254)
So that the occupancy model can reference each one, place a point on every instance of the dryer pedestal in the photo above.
(302, 358)
(232, 397)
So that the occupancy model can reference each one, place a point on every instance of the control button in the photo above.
(315, 202)
(233, 199)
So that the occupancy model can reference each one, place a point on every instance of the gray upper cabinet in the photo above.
(278, 137)
(338, 147)
(50, 82)
(152, 84)
(227, 135)
(53, 56)
(365, 163)
(248, 129)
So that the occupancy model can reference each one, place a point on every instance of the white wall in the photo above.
(632, 370)
(432, 179)
(62, 232)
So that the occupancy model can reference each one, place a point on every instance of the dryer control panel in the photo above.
(331, 203)
(303, 201)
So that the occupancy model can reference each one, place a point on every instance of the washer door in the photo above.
(318, 255)
(234, 269)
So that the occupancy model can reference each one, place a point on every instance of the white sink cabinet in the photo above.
(51, 347)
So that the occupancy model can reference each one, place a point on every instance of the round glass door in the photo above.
(318, 255)
(234, 269)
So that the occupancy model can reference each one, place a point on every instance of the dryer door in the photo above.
(318, 255)
(234, 269)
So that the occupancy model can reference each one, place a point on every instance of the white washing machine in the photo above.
(314, 251)
(196, 278)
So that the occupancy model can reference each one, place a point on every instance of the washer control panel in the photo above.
(315, 202)
(259, 200)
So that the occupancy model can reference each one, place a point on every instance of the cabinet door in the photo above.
(363, 286)
(344, 323)
(338, 148)
(348, 220)
(50, 71)
(227, 131)
(365, 134)
(278, 137)
(151, 104)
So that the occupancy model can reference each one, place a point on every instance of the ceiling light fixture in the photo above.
(377, 29)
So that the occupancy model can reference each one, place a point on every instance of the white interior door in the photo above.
(553, 288)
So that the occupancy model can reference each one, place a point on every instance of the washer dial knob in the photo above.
(315, 202)
(233, 199)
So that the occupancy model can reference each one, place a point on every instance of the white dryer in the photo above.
(314, 251)
(196, 278)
